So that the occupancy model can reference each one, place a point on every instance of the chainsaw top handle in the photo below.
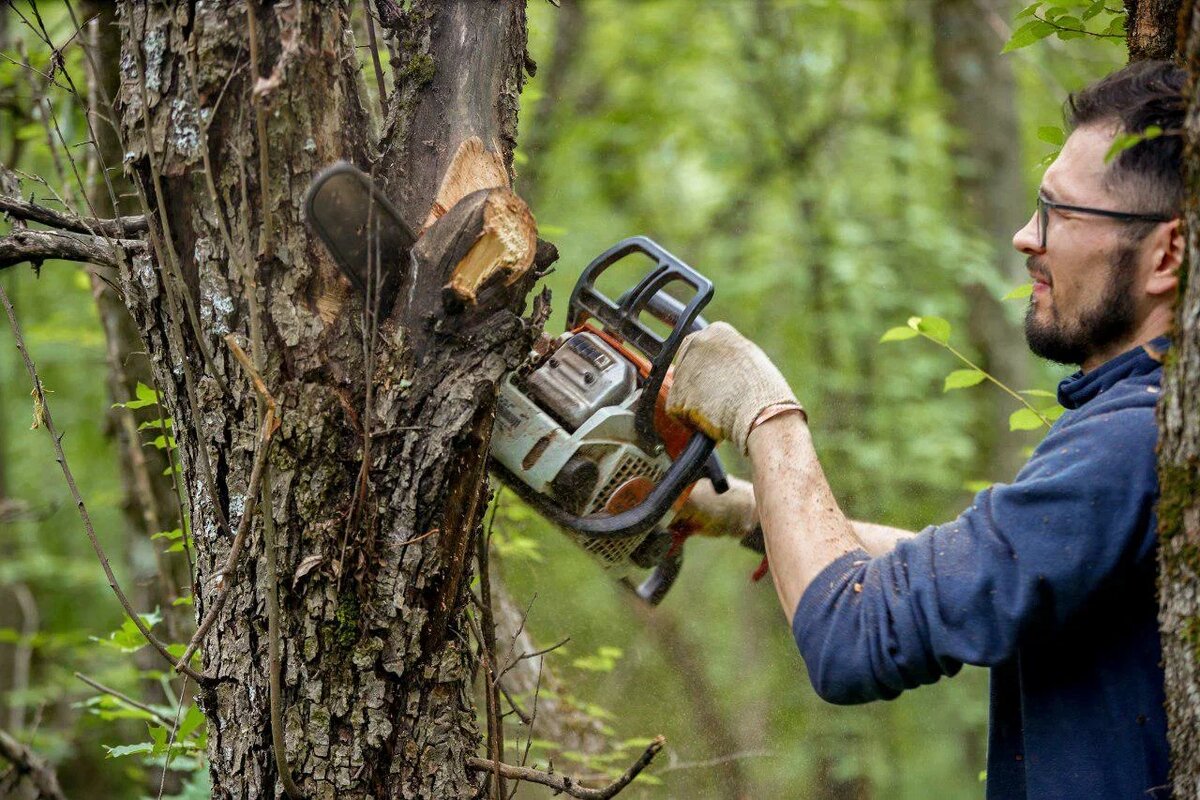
(622, 317)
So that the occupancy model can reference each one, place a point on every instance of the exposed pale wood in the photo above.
(472, 168)
(504, 250)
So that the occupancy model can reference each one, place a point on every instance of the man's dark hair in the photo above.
(1134, 98)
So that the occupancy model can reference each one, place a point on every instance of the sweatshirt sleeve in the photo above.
(1024, 557)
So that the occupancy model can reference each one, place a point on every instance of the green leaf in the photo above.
(935, 328)
(1027, 34)
(1020, 292)
(127, 638)
(962, 378)
(1031, 9)
(898, 335)
(1052, 134)
(145, 396)
(186, 600)
(155, 424)
(1068, 22)
(1094, 9)
(169, 535)
(192, 721)
(603, 660)
(1053, 13)
(1024, 419)
(1037, 393)
(1053, 412)
(976, 486)
(129, 749)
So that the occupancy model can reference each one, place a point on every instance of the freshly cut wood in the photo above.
(502, 253)
(473, 167)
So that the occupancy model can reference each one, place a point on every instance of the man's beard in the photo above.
(1098, 328)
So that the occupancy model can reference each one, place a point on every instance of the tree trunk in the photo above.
(1156, 30)
(1153, 29)
(372, 558)
(981, 104)
(1179, 483)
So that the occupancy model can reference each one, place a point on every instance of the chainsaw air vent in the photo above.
(614, 553)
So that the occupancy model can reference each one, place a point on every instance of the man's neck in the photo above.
(1156, 323)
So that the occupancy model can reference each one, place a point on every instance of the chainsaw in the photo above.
(580, 433)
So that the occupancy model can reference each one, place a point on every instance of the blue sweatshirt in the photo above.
(1050, 581)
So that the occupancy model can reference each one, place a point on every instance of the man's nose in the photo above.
(1028, 239)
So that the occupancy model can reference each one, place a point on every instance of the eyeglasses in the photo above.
(1044, 206)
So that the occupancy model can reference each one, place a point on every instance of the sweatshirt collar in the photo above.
(1079, 388)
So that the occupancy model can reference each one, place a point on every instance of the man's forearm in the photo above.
(804, 530)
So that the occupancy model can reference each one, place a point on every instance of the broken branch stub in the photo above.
(501, 254)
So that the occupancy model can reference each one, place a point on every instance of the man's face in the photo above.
(1083, 302)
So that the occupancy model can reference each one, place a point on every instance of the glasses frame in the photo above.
(1044, 207)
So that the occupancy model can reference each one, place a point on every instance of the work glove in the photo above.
(722, 382)
(706, 513)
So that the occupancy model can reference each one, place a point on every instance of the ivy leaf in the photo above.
(962, 378)
(935, 328)
(1020, 292)
(898, 335)
(1024, 419)
(1027, 34)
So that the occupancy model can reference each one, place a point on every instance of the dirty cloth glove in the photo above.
(706, 513)
(722, 382)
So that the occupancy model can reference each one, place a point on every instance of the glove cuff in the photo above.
(765, 412)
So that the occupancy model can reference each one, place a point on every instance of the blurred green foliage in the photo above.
(796, 152)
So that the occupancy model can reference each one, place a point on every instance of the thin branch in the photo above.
(119, 228)
(565, 783)
(45, 417)
(488, 642)
(38, 246)
(225, 576)
(27, 762)
(379, 79)
(264, 244)
(163, 720)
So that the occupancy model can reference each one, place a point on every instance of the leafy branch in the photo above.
(937, 330)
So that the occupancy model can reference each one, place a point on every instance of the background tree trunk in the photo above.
(1153, 29)
(981, 104)
(374, 648)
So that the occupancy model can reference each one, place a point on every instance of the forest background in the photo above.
(836, 168)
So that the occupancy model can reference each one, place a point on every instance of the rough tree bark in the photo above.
(1160, 29)
(372, 559)
(1153, 29)
(1179, 443)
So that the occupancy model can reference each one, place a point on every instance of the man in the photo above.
(1048, 580)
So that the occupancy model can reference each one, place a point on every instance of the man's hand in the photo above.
(706, 513)
(722, 382)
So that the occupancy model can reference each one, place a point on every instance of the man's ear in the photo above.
(1166, 247)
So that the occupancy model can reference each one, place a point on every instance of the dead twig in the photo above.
(38, 246)
(44, 417)
(488, 642)
(567, 784)
(27, 762)
(118, 228)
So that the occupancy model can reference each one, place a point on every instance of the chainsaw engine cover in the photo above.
(568, 432)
